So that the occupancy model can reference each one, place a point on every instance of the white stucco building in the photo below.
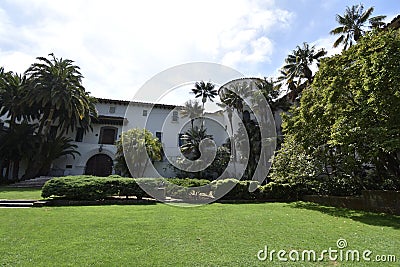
(97, 149)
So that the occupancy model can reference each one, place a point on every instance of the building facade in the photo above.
(97, 149)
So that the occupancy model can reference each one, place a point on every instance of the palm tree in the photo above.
(296, 73)
(16, 140)
(12, 93)
(17, 143)
(353, 25)
(60, 146)
(236, 94)
(192, 139)
(192, 110)
(56, 86)
(205, 91)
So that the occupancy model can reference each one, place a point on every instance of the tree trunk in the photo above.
(15, 170)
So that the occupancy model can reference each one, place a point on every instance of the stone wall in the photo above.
(370, 200)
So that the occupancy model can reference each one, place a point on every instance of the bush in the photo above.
(183, 188)
(283, 191)
(86, 187)
(238, 190)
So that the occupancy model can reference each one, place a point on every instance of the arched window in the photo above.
(108, 135)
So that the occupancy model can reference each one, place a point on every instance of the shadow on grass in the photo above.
(376, 219)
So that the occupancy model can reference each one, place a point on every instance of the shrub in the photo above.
(86, 187)
(187, 188)
(238, 190)
(282, 191)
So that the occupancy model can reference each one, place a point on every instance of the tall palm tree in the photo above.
(56, 86)
(205, 91)
(236, 94)
(353, 25)
(192, 110)
(12, 93)
(296, 73)
(16, 141)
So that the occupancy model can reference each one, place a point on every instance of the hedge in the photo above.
(233, 189)
(86, 187)
(187, 188)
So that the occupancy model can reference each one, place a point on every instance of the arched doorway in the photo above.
(99, 165)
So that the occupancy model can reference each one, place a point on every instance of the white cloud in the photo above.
(121, 44)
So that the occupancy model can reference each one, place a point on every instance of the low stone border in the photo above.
(370, 200)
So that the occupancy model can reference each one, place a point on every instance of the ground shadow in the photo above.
(371, 218)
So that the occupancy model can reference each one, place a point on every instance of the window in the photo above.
(145, 112)
(79, 135)
(112, 109)
(174, 116)
(108, 135)
(159, 136)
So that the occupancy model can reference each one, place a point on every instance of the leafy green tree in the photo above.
(353, 25)
(131, 150)
(348, 122)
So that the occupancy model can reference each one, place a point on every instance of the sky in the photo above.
(119, 45)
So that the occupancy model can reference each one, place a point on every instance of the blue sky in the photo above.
(119, 45)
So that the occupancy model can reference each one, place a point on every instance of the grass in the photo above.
(20, 193)
(210, 235)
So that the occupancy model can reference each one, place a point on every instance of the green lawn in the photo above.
(20, 193)
(211, 235)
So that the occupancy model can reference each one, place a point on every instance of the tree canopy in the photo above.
(348, 121)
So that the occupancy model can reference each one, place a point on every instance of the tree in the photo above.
(55, 86)
(348, 122)
(205, 91)
(296, 73)
(16, 140)
(192, 139)
(17, 143)
(235, 95)
(12, 92)
(192, 110)
(134, 150)
(353, 25)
